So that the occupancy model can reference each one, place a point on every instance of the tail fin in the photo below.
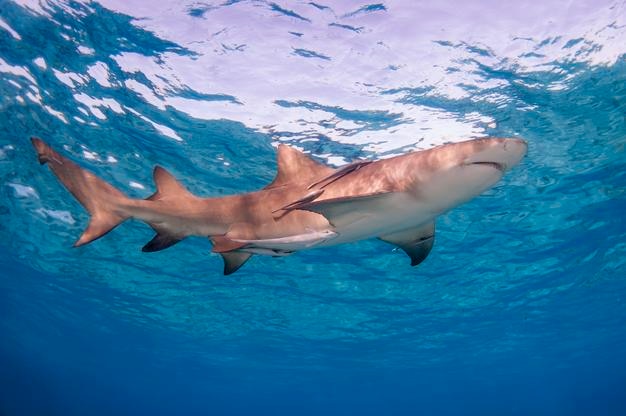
(103, 202)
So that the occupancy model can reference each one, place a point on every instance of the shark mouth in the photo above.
(498, 166)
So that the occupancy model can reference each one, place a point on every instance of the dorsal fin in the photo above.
(293, 165)
(167, 186)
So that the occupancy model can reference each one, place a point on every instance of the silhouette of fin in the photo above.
(416, 243)
(234, 260)
(161, 241)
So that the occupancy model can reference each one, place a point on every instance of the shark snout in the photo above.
(501, 154)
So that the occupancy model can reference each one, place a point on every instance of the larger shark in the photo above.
(307, 205)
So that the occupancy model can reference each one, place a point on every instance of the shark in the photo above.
(307, 205)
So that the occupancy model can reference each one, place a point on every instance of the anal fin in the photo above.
(234, 260)
(160, 242)
(415, 242)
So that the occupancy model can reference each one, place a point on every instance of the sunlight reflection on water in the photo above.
(386, 77)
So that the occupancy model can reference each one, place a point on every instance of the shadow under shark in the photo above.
(307, 204)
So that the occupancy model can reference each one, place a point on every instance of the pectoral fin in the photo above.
(416, 242)
(343, 211)
(234, 260)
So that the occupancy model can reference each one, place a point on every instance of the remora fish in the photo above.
(306, 205)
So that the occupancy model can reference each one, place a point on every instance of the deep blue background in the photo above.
(54, 365)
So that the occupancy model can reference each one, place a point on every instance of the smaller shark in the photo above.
(307, 205)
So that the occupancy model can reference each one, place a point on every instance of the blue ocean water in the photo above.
(520, 308)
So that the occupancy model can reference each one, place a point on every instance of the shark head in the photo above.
(501, 154)
(451, 174)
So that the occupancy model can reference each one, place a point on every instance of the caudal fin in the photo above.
(104, 203)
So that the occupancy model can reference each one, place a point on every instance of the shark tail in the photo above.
(105, 204)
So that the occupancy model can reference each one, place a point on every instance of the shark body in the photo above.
(307, 205)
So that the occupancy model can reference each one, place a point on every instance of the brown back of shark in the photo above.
(307, 205)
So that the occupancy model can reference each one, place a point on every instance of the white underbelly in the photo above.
(396, 213)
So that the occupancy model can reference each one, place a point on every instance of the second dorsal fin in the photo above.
(168, 186)
(293, 165)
